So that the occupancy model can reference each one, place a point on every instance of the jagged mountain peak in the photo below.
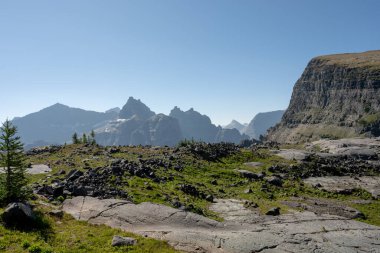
(237, 125)
(134, 107)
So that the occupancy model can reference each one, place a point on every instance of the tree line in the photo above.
(85, 139)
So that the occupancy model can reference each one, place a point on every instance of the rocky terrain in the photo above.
(336, 97)
(322, 196)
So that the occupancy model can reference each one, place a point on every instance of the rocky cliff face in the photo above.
(337, 96)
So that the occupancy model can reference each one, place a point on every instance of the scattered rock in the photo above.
(248, 174)
(123, 241)
(44, 149)
(189, 189)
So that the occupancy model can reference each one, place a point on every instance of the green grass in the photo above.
(371, 212)
(369, 119)
(67, 235)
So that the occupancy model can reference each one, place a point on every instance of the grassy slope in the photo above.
(369, 59)
(67, 235)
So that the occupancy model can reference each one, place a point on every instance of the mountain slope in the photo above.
(262, 122)
(195, 125)
(57, 123)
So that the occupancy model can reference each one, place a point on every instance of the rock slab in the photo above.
(295, 232)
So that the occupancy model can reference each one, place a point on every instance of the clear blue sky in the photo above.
(227, 59)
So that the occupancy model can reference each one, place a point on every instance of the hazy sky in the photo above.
(227, 59)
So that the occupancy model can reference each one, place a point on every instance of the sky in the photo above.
(228, 59)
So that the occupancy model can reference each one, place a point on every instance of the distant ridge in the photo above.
(134, 124)
(56, 124)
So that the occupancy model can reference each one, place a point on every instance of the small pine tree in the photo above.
(84, 139)
(75, 138)
(92, 135)
(12, 161)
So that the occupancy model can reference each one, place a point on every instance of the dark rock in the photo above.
(248, 174)
(274, 180)
(123, 241)
(273, 211)
(18, 214)
(74, 174)
(79, 191)
(189, 189)
(210, 198)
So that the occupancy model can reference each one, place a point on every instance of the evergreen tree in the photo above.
(92, 134)
(12, 161)
(84, 139)
(75, 138)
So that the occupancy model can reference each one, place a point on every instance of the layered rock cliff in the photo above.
(337, 96)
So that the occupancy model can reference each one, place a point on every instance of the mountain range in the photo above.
(258, 125)
(133, 124)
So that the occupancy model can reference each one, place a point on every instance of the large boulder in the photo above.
(18, 214)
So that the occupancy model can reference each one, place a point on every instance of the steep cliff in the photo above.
(337, 96)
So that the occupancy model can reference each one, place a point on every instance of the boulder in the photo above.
(123, 241)
(18, 214)
(273, 211)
